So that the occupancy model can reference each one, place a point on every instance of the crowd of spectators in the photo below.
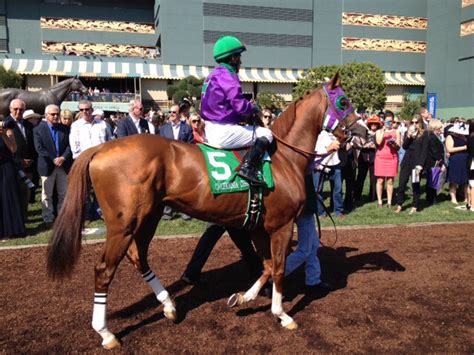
(423, 151)
(37, 153)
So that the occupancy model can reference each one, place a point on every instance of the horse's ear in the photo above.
(335, 81)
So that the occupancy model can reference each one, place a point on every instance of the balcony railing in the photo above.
(103, 97)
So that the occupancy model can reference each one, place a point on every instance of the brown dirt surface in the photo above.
(405, 289)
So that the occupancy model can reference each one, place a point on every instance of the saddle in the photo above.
(222, 166)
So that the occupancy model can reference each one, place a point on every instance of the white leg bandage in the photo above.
(99, 322)
(277, 308)
(161, 294)
(253, 292)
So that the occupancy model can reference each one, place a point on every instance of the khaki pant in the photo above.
(58, 177)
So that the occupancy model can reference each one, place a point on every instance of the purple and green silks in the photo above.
(222, 99)
(339, 107)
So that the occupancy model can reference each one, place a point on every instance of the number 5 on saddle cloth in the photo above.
(222, 167)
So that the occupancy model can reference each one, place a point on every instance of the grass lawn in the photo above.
(366, 214)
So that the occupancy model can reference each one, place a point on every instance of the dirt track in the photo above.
(404, 289)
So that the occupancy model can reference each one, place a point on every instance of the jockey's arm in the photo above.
(239, 103)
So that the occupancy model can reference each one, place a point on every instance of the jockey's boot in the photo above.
(250, 168)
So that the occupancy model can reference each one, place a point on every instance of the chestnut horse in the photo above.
(134, 177)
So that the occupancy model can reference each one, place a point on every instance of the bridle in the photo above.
(341, 116)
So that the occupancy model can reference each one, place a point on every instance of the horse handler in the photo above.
(224, 106)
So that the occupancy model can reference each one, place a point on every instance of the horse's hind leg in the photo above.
(116, 246)
(137, 254)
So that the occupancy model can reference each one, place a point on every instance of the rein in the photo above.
(299, 150)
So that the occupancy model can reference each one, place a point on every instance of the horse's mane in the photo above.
(286, 120)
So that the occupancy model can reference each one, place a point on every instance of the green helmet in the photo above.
(226, 46)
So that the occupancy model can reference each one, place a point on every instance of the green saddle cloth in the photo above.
(222, 170)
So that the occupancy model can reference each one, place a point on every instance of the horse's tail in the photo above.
(65, 244)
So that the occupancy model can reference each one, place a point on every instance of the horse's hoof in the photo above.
(235, 300)
(112, 344)
(170, 314)
(292, 326)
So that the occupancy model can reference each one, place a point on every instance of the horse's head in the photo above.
(77, 85)
(339, 117)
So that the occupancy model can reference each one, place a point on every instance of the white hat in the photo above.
(459, 128)
(98, 112)
(30, 114)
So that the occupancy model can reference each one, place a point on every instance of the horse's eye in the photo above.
(342, 103)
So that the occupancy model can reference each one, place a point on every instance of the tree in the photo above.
(270, 100)
(188, 87)
(9, 79)
(363, 83)
(410, 106)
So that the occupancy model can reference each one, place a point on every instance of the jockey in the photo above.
(223, 107)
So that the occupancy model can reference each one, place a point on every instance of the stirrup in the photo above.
(251, 176)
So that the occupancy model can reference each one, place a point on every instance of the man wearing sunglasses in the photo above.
(224, 106)
(176, 129)
(134, 123)
(88, 132)
(54, 160)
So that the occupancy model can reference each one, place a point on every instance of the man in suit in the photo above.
(25, 154)
(54, 160)
(177, 130)
(134, 123)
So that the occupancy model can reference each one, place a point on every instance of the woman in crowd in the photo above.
(366, 160)
(434, 155)
(457, 165)
(386, 159)
(67, 117)
(470, 151)
(412, 163)
(11, 211)
(197, 124)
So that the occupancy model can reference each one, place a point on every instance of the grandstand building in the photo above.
(142, 46)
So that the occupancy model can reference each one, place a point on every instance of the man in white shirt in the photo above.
(87, 132)
(327, 165)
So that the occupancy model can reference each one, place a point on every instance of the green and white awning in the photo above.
(97, 68)
(84, 67)
(404, 78)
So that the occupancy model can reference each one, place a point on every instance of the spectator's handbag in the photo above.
(437, 177)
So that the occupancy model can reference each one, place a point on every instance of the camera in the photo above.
(24, 179)
(391, 142)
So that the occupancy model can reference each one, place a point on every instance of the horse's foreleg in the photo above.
(115, 248)
(279, 243)
(238, 299)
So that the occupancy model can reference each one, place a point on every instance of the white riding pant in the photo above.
(232, 136)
